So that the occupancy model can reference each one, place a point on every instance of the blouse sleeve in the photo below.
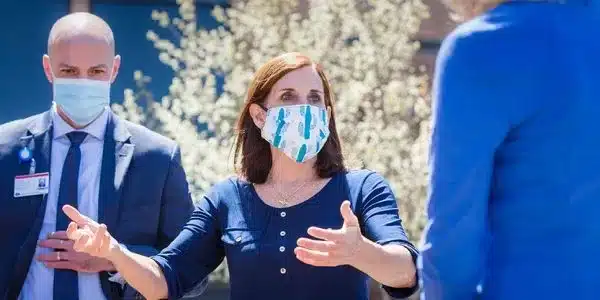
(381, 222)
(195, 252)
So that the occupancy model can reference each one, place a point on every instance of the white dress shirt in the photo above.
(39, 284)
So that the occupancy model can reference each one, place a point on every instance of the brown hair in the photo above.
(252, 153)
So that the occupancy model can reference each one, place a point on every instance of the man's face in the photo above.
(82, 57)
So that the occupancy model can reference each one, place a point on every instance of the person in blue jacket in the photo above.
(295, 224)
(515, 157)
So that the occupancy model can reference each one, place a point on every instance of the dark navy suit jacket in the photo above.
(143, 200)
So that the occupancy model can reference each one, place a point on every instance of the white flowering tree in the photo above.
(366, 48)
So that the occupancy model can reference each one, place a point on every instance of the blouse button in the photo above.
(282, 233)
(282, 214)
(282, 271)
(281, 249)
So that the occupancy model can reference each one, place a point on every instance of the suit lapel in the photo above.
(40, 135)
(116, 157)
(117, 154)
(39, 140)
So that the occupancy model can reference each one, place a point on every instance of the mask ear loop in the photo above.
(261, 106)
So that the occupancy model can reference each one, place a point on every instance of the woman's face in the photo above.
(302, 86)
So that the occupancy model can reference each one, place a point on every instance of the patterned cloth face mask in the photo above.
(299, 131)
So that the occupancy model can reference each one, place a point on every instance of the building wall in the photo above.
(24, 37)
(433, 30)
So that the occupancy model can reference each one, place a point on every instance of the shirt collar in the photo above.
(96, 129)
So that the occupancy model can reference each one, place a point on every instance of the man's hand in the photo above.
(65, 257)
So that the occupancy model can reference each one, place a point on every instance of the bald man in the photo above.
(80, 153)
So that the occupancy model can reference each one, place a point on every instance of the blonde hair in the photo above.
(467, 9)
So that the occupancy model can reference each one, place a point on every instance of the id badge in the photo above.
(32, 185)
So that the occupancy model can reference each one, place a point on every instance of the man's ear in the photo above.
(47, 68)
(115, 68)
(258, 115)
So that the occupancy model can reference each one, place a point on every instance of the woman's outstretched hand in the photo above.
(335, 247)
(88, 236)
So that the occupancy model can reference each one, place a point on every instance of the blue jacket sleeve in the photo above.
(477, 99)
(195, 252)
(381, 222)
(177, 204)
(176, 208)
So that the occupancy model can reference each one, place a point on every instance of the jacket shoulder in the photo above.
(11, 132)
(148, 140)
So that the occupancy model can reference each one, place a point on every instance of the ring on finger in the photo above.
(58, 256)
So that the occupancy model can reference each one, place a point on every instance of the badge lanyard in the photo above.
(25, 156)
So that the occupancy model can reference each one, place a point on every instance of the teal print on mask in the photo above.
(280, 125)
(307, 121)
(301, 153)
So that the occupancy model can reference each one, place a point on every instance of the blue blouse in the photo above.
(259, 240)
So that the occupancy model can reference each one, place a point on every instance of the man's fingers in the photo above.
(56, 256)
(325, 234)
(48, 257)
(322, 246)
(64, 265)
(56, 244)
(350, 219)
(61, 235)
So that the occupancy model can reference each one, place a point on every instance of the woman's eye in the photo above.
(314, 98)
(287, 97)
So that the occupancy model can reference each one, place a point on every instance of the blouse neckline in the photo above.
(308, 201)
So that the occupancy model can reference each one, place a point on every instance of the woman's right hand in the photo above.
(88, 236)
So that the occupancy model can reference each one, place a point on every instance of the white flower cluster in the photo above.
(366, 49)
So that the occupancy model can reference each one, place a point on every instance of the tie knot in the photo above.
(76, 138)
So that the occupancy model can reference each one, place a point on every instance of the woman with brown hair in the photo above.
(292, 184)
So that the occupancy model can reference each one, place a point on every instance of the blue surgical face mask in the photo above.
(82, 100)
(299, 131)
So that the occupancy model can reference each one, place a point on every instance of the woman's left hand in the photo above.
(336, 247)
